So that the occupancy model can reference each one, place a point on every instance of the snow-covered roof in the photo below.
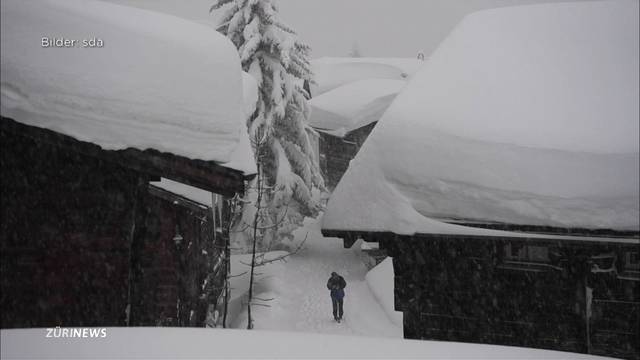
(523, 115)
(332, 72)
(158, 82)
(353, 92)
(353, 105)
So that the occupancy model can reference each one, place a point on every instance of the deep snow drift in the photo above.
(353, 92)
(332, 72)
(381, 282)
(525, 115)
(158, 82)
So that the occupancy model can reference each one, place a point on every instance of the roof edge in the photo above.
(207, 175)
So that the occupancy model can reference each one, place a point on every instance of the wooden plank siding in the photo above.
(336, 153)
(66, 228)
(490, 290)
(84, 242)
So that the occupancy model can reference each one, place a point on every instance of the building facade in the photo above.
(86, 242)
(578, 294)
(336, 152)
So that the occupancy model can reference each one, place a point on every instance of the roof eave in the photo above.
(207, 175)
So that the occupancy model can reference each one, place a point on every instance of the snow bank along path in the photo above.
(301, 300)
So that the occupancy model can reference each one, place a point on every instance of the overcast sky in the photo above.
(379, 27)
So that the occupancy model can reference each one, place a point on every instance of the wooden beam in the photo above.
(549, 230)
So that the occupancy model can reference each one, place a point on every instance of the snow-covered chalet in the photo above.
(115, 162)
(504, 182)
(347, 100)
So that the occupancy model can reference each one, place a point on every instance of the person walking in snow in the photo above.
(336, 285)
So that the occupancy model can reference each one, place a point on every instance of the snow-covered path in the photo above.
(301, 300)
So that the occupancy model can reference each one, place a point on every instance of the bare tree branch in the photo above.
(258, 304)
(257, 298)
(238, 275)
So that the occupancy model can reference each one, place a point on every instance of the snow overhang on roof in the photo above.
(333, 72)
(353, 105)
(157, 82)
(523, 115)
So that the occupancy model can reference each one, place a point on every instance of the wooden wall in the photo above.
(65, 236)
(170, 277)
(337, 152)
(480, 290)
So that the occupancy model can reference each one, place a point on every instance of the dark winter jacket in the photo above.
(336, 284)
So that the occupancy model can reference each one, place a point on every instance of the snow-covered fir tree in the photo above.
(272, 53)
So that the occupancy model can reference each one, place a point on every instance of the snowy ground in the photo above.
(184, 343)
(301, 300)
